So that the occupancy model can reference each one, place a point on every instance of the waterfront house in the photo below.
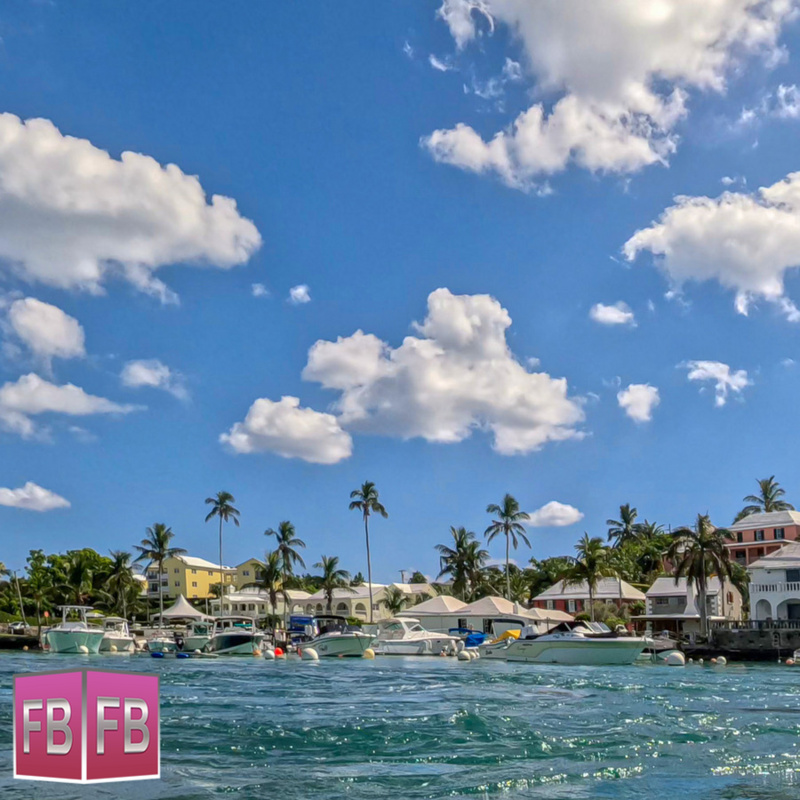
(672, 605)
(354, 601)
(189, 576)
(775, 584)
(253, 601)
(575, 599)
(759, 535)
(437, 613)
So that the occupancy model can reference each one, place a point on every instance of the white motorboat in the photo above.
(198, 635)
(406, 637)
(162, 641)
(573, 642)
(74, 634)
(235, 636)
(330, 636)
(117, 636)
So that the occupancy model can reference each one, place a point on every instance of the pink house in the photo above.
(761, 534)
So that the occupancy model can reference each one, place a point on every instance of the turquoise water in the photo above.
(435, 728)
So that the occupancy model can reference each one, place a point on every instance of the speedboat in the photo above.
(406, 637)
(573, 642)
(330, 636)
(162, 641)
(116, 636)
(74, 634)
(235, 636)
(198, 635)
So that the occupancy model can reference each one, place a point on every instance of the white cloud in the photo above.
(617, 96)
(32, 498)
(638, 401)
(290, 431)
(787, 100)
(746, 242)
(46, 330)
(259, 290)
(31, 395)
(555, 515)
(788, 362)
(72, 216)
(154, 374)
(438, 64)
(725, 381)
(458, 375)
(617, 314)
(299, 295)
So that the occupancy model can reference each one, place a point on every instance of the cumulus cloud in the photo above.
(746, 242)
(72, 216)
(456, 376)
(32, 497)
(725, 381)
(154, 374)
(299, 295)
(638, 401)
(617, 314)
(617, 96)
(46, 330)
(290, 431)
(555, 515)
(31, 396)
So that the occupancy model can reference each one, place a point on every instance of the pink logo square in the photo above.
(86, 726)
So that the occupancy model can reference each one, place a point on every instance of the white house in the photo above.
(354, 601)
(775, 585)
(575, 598)
(254, 601)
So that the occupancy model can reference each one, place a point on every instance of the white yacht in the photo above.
(198, 635)
(162, 641)
(406, 637)
(332, 637)
(117, 636)
(574, 643)
(235, 636)
(74, 634)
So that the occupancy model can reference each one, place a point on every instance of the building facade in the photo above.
(760, 535)
(575, 599)
(188, 575)
(775, 585)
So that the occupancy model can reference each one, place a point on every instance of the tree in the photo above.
(366, 501)
(357, 580)
(590, 565)
(625, 529)
(38, 585)
(287, 545)
(508, 522)
(332, 578)
(270, 578)
(120, 580)
(417, 577)
(156, 548)
(462, 562)
(78, 584)
(223, 508)
(767, 500)
(699, 553)
(541, 575)
(394, 600)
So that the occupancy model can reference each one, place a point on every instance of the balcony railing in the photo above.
(774, 588)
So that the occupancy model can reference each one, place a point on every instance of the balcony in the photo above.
(775, 588)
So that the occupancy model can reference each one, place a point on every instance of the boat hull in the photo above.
(192, 643)
(123, 644)
(239, 643)
(429, 646)
(74, 641)
(162, 646)
(592, 652)
(341, 645)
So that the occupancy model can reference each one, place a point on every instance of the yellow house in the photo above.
(248, 572)
(188, 575)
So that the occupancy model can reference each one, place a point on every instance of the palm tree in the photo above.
(287, 545)
(270, 578)
(394, 600)
(120, 579)
(156, 548)
(625, 529)
(78, 578)
(509, 524)
(332, 578)
(767, 500)
(463, 561)
(699, 553)
(590, 565)
(366, 501)
(222, 507)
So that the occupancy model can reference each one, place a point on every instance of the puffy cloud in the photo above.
(72, 216)
(32, 498)
(155, 375)
(618, 96)
(638, 401)
(617, 314)
(458, 375)
(290, 431)
(47, 331)
(725, 381)
(31, 395)
(299, 295)
(746, 242)
(555, 515)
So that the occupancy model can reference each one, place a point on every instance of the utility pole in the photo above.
(402, 576)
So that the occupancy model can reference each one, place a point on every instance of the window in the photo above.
(177, 570)
(759, 536)
(571, 606)
(194, 572)
(551, 604)
(662, 601)
(780, 533)
(194, 584)
(739, 537)
(793, 576)
(462, 623)
(210, 572)
(487, 626)
(246, 573)
(177, 583)
(153, 587)
(730, 597)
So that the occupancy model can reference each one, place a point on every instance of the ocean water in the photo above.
(405, 728)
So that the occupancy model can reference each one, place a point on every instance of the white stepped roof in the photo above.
(665, 586)
(441, 604)
(774, 519)
(607, 589)
(788, 557)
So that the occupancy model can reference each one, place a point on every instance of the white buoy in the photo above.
(309, 654)
(700, 661)
(463, 655)
(269, 654)
(198, 652)
(369, 653)
(83, 648)
(676, 659)
(721, 661)
(113, 648)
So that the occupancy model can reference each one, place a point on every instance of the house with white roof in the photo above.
(759, 535)
(189, 576)
(254, 601)
(775, 585)
(672, 604)
(575, 598)
(354, 601)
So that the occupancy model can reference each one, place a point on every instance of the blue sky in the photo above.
(318, 121)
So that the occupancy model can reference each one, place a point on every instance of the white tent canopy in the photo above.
(182, 609)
